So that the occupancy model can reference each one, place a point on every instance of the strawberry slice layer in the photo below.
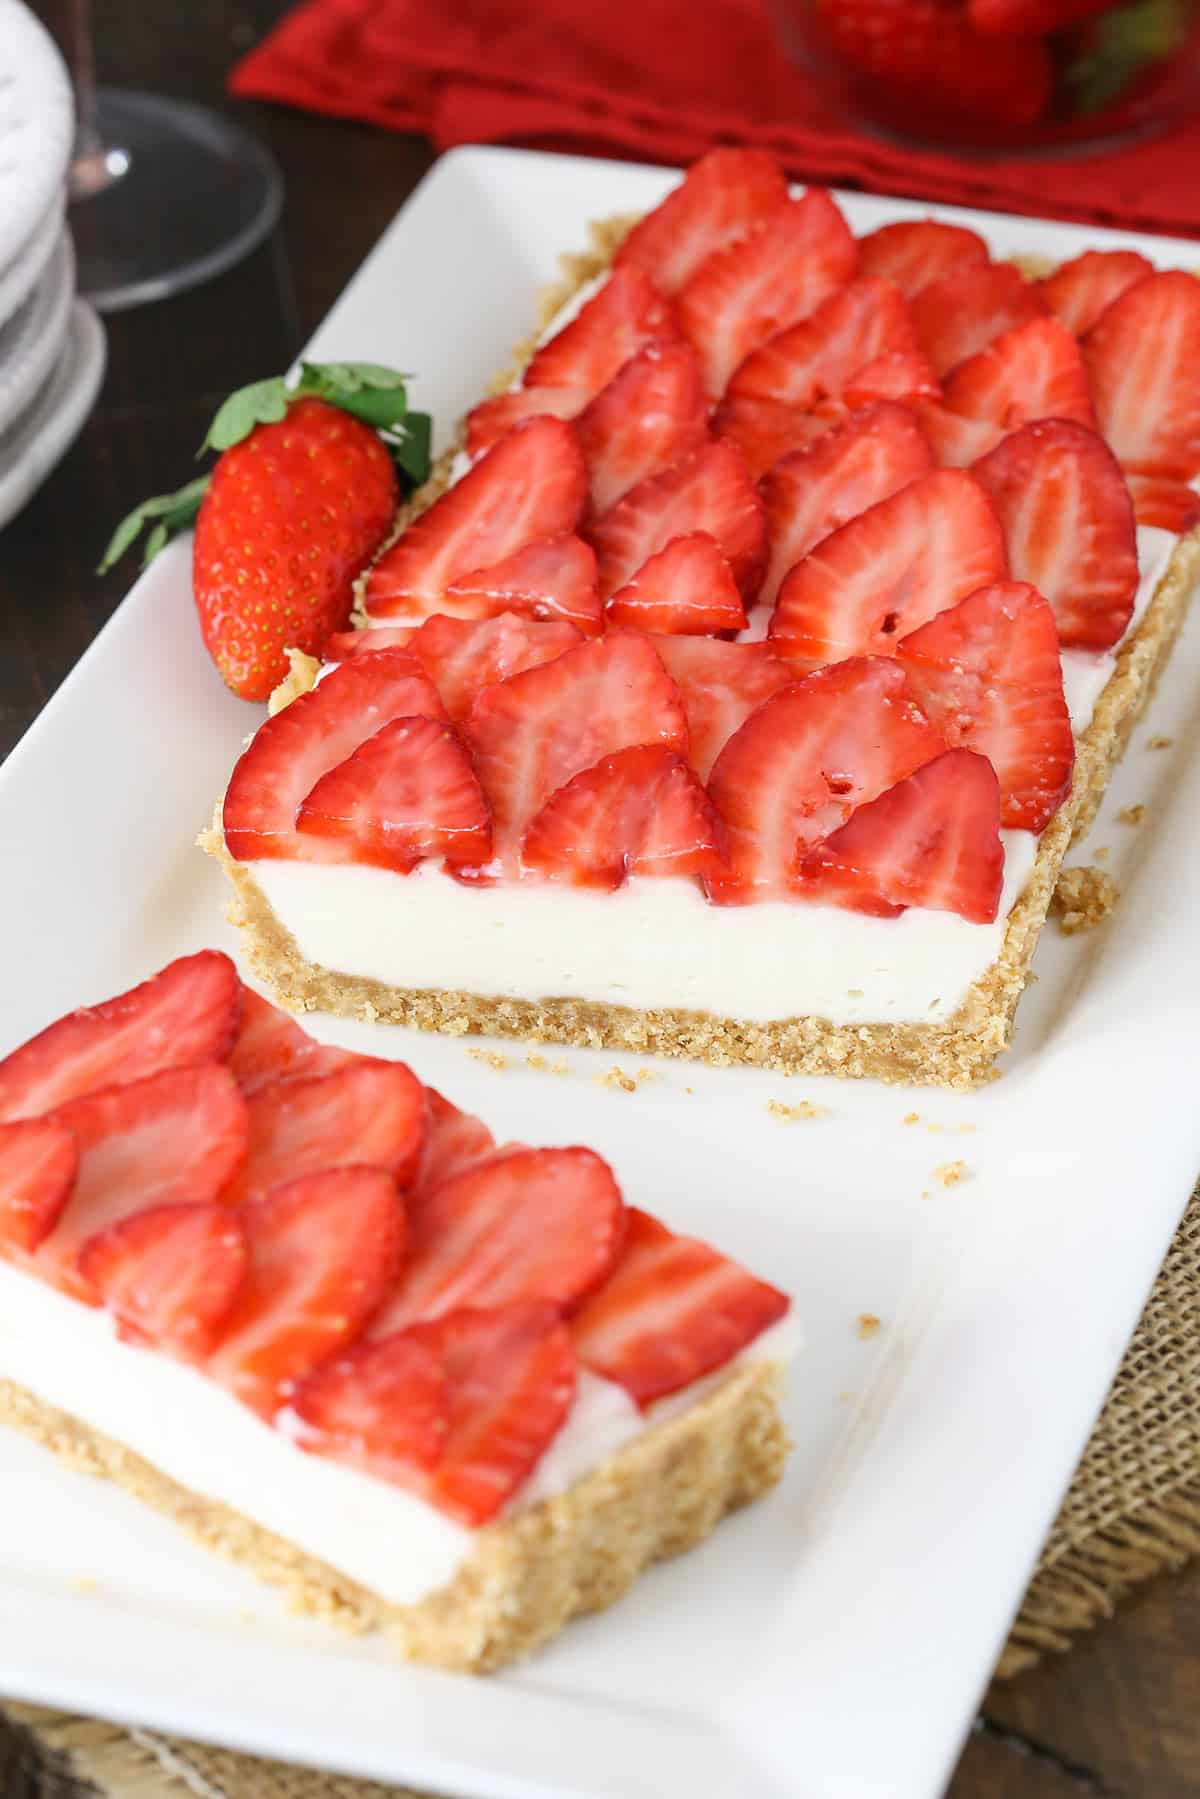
(1034, 372)
(553, 578)
(342, 645)
(710, 491)
(779, 273)
(889, 569)
(371, 1113)
(823, 486)
(685, 589)
(931, 840)
(1078, 291)
(820, 357)
(968, 308)
(622, 317)
(1141, 356)
(406, 794)
(272, 1047)
(802, 762)
(454, 1140)
(913, 253)
(722, 196)
(499, 414)
(721, 685)
(762, 431)
(170, 1275)
(988, 673)
(1159, 500)
(38, 1164)
(463, 657)
(290, 753)
(671, 1311)
(1069, 525)
(531, 733)
(649, 416)
(323, 1252)
(640, 812)
(383, 1408)
(541, 1224)
(188, 1012)
(175, 1138)
(533, 484)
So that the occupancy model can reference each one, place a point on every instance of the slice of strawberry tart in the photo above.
(303, 1304)
(735, 689)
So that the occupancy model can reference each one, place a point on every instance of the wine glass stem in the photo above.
(95, 165)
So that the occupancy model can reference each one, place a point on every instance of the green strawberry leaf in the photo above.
(262, 403)
(170, 512)
(1122, 45)
(382, 408)
(411, 449)
(348, 377)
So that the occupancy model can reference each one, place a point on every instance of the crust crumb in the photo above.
(303, 670)
(1083, 898)
(866, 1326)
(1102, 853)
(617, 1077)
(646, 1074)
(803, 1109)
(538, 1063)
(951, 1174)
(560, 1068)
(1131, 815)
(911, 1118)
(951, 1130)
(491, 1058)
(1159, 743)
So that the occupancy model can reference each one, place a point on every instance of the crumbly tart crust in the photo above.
(958, 1053)
(527, 1576)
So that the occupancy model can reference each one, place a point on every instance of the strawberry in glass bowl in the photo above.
(1003, 75)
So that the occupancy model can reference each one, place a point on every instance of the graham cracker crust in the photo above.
(958, 1053)
(526, 1576)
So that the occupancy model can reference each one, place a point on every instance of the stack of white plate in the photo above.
(51, 342)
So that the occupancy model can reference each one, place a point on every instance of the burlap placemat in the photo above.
(1133, 1509)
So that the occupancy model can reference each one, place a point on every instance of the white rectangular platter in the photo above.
(832, 1642)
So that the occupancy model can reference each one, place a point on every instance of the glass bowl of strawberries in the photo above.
(1003, 75)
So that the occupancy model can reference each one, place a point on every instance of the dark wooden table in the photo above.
(1121, 1714)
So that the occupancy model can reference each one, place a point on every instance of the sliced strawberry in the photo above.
(465, 656)
(932, 840)
(818, 357)
(722, 196)
(1068, 522)
(406, 794)
(530, 1224)
(372, 1113)
(915, 252)
(170, 1275)
(963, 312)
(896, 375)
(383, 1408)
(531, 733)
(175, 1138)
(38, 1164)
(888, 570)
(776, 275)
(344, 644)
(188, 1012)
(324, 1250)
(988, 673)
(553, 578)
(289, 753)
(818, 489)
(762, 431)
(1034, 372)
(1158, 500)
(802, 762)
(619, 319)
(671, 1311)
(1142, 354)
(640, 812)
(687, 588)
(1078, 291)
(709, 491)
(721, 685)
(496, 416)
(454, 1140)
(272, 1047)
(650, 415)
(532, 484)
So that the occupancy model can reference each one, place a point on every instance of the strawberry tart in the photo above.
(735, 688)
(302, 1303)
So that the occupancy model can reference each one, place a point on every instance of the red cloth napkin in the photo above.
(663, 80)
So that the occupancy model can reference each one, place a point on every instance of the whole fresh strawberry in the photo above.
(925, 53)
(303, 493)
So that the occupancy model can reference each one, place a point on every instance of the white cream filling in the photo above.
(193, 1431)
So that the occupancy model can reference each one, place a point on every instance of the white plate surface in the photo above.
(831, 1643)
(37, 124)
(45, 431)
(31, 341)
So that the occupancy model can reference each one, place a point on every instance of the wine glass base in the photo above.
(190, 193)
